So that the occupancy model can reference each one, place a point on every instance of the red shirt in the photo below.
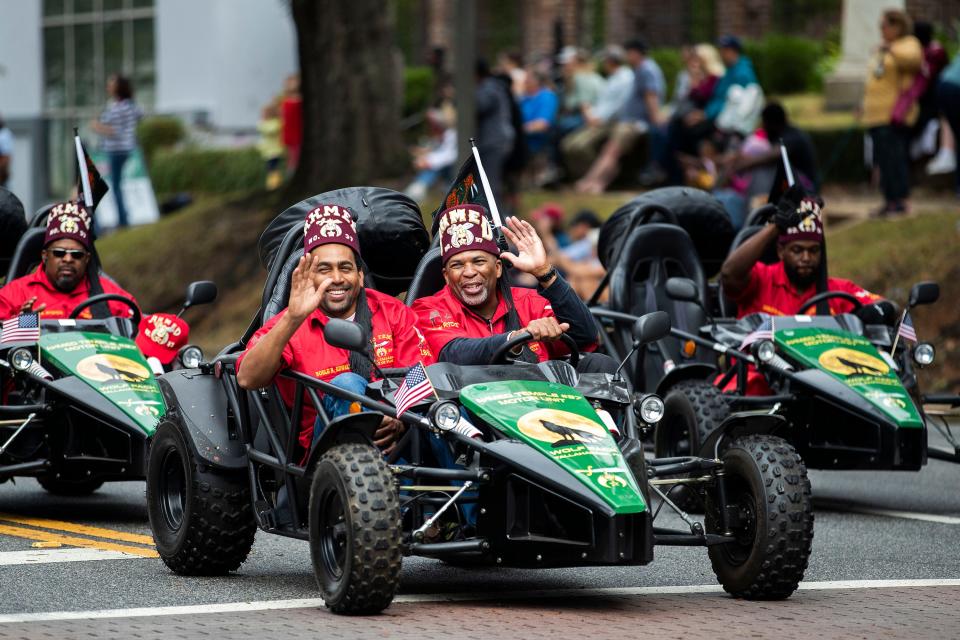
(770, 291)
(291, 121)
(442, 317)
(59, 304)
(396, 343)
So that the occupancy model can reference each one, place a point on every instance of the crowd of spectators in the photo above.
(588, 120)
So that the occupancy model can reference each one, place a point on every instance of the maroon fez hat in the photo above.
(466, 227)
(68, 220)
(330, 224)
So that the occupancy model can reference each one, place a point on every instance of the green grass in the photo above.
(889, 257)
(806, 111)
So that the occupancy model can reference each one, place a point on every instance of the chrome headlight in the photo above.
(21, 359)
(924, 354)
(765, 350)
(190, 356)
(650, 408)
(444, 415)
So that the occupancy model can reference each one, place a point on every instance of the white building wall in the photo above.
(224, 57)
(21, 59)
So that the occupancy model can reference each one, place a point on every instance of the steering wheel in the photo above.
(104, 297)
(523, 337)
(827, 295)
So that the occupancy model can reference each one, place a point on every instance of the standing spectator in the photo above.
(641, 114)
(6, 152)
(895, 65)
(269, 145)
(579, 148)
(291, 118)
(924, 86)
(495, 131)
(948, 97)
(511, 64)
(117, 127)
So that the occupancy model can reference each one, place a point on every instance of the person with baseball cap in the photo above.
(63, 279)
(782, 287)
(328, 282)
(477, 311)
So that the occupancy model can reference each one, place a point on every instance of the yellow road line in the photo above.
(59, 525)
(73, 541)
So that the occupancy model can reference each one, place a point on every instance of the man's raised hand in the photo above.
(305, 292)
(531, 257)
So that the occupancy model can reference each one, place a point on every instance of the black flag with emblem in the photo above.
(466, 189)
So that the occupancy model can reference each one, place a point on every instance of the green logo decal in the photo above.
(114, 367)
(853, 360)
(557, 421)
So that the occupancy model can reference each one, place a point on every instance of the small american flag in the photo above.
(416, 386)
(23, 328)
(906, 330)
(763, 332)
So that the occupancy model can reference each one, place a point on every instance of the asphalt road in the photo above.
(869, 526)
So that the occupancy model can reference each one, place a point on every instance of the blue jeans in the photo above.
(117, 160)
(336, 407)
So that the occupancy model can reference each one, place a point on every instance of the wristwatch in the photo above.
(547, 276)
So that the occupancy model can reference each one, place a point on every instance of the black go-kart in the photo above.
(507, 464)
(845, 385)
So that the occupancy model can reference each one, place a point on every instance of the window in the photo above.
(84, 42)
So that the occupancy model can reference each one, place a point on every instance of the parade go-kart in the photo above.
(81, 403)
(844, 384)
(544, 484)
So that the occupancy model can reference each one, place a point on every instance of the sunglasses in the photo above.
(76, 254)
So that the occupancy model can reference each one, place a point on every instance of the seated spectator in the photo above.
(580, 147)
(436, 159)
(538, 107)
(685, 133)
(581, 90)
(576, 256)
(548, 221)
(641, 115)
(749, 170)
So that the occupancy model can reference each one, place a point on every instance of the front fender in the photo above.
(691, 371)
(738, 424)
(198, 403)
(351, 428)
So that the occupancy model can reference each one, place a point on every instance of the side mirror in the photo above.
(651, 327)
(200, 292)
(683, 289)
(345, 335)
(924, 293)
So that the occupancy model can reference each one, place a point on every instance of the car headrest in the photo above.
(428, 277)
(666, 251)
(27, 254)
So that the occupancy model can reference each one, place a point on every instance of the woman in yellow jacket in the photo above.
(888, 120)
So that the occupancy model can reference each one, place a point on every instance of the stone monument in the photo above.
(859, 38)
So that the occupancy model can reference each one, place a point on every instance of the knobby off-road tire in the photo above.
(768, 494)
(60, 487)
(355, 530)
(201, 518)
(692, 410)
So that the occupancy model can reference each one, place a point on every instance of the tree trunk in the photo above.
(351, 81)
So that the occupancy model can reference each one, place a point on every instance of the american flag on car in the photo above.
(906, 330)
(763, 332)
(416, 386)
(23, 328)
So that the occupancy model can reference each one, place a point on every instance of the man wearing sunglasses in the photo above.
(60, 283)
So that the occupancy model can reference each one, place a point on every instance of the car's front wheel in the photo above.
(355, 530)
(201, 518)
(770, 515)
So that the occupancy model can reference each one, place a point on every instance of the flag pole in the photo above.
(82, 166)
(786, 164)
(896, 337)
(486, 186)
